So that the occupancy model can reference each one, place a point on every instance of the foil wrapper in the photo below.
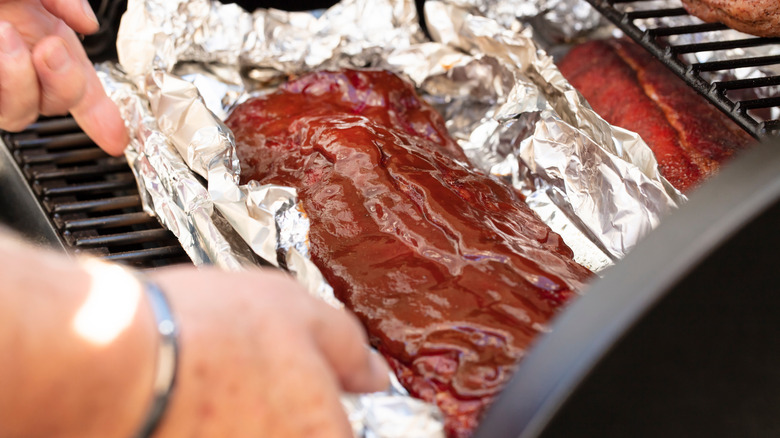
(186, 63)
(558, 22)
(604, 178)
(554, 21)
(169, 189)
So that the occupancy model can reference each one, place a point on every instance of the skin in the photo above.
(45, 71)
(258, 356)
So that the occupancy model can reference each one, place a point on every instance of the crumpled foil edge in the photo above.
(169, 190)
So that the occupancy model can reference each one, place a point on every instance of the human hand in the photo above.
(44, 70)
(259, 357)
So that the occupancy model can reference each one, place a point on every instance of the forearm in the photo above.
(66, 371)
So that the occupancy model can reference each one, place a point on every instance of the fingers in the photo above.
(339, 337)
(61, 76)
(249, 365)
(343, 343)
(312, 390)
(18, 82)
(57, 77)
(77, 14)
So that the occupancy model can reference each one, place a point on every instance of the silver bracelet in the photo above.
(167, 356)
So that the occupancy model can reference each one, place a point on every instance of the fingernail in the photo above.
(57, 58)
(9, 41)
(89, 12)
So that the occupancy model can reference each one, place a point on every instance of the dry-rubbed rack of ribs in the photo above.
(628, 87)
(653, 29)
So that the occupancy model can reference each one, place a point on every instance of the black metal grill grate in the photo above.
(91, 198)
(728, 95)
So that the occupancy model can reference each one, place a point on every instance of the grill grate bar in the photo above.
(121, 239)
(99, 223)
(60, 141)
(147, 254)
(747, 83)
(54, 126)
(107, 166)
(767, 102)
(772, 126)
(74, 156)
(92, 206)
(680, 30)
(123, 181)
(735, 63)
(656, 13)
(722, 45)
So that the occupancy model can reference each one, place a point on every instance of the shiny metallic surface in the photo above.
(169, 189)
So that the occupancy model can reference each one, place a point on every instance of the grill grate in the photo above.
(90, 198)
(727, 95)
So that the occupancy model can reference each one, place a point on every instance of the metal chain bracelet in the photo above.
(167, 355)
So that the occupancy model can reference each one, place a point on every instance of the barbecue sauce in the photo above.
(451, 273)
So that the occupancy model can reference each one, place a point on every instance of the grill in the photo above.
(57, 183)
(89, 199)
(737, 98)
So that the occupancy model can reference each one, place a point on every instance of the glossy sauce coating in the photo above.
(451, 273)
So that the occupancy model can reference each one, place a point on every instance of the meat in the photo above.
(756, 17)
(631, 89)
(451, 273)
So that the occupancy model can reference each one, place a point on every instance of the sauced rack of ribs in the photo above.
(450, 272)
(756, 17)
(629, 88)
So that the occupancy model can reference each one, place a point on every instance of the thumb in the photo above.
(77, 14)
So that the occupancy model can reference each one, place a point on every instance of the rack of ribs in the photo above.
(629, 88)
(448, 269)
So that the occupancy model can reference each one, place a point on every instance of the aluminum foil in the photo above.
(556, 21)
(170, 191)
(188, 62)
(605, 178)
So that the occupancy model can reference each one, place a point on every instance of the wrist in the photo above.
(88, 381)
(124, 342)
